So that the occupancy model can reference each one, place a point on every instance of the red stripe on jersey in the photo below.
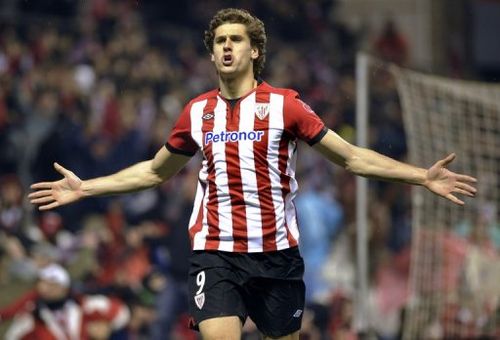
(198, 224)
(235, 184)
(212, 239)
(264, 181)
(285, 183)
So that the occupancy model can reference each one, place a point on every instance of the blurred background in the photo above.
(96, 86)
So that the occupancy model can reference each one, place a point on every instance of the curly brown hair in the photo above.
(255, 30)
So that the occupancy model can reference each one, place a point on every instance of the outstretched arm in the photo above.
(368, 163)
(71, 188)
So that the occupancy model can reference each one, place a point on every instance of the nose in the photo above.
(227, 45)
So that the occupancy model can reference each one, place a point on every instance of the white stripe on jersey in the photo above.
(200, 238)
(249, 177)
(196, 122)
(291, 216)
(196, 125)
(221, 180)
(276, 126)
(196, 205)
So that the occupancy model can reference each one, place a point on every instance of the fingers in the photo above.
(49, 206)
(462, 189)
(465, 178)
(454, 199)
(41, 197)
(48, 185)
(45, 199)
(40, 193)
(62, 170)
(464, 192)
(445, 161)
(465, 188)
(41, 185)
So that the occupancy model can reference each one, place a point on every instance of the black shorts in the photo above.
(267, 287)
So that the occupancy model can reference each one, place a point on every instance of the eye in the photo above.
(220, 40)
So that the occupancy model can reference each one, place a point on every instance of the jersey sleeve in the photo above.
(180, 140)
(301, 121)
(22, 327)
(23, 304)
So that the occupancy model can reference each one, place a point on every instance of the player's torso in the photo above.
(247, 172)
(244, 139)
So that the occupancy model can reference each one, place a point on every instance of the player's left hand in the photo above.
(446, 183)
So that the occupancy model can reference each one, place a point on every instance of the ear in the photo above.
(255, 53)
(212, 58)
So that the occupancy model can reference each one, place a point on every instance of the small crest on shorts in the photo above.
(199, 300)
(261, 110)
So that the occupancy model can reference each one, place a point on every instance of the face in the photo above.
(233, 54)
(50, 291)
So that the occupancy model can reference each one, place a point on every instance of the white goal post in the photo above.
(454, 282)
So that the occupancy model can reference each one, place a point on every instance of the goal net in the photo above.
(455, 264)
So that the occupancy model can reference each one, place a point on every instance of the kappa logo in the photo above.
(199, 300)
(208, 116)
(262, 110)
(297, 313)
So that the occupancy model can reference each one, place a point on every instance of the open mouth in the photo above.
(227, 60)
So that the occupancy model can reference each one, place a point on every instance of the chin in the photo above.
(228, 74)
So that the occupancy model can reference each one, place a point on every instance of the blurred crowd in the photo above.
(96, 86)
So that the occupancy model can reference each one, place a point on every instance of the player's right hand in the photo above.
(50, 195)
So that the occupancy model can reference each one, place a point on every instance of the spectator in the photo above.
(391, 45)
(320, 218)
(53, 312)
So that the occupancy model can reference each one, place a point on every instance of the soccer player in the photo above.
(243, 228)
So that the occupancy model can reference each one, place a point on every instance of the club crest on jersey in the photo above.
(261, 110)
(208, 116)
(199, 300)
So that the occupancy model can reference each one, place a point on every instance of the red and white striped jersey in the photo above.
(244, 199)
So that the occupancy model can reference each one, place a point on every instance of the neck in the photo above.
(56, 304)
(233, 88)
